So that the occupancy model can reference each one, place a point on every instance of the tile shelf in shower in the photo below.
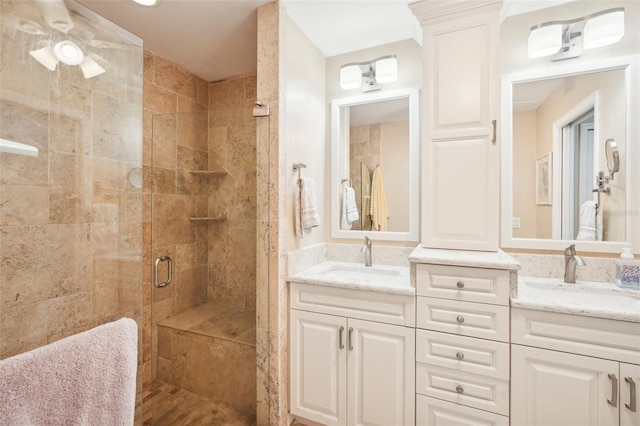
(218, 171)
(208, 219)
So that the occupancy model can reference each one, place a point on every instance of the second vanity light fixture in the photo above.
(369, 75)
(566, 39)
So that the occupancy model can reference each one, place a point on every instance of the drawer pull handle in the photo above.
(340, 337)
(632, 394)
(460, 284)
(460, 319)
(460, 356)
(459, 389)
(614, 391)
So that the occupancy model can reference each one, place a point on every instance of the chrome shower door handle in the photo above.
(169, 271)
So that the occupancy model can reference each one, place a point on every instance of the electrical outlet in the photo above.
(515, 222)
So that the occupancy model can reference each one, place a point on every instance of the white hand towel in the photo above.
(587, 227)
(306, 212)
(350, 202)
(344, 223)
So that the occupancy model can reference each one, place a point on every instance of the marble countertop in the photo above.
(379, 278)
(477, 259)
(601, 300)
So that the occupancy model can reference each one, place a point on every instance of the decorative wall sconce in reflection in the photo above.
(369, 75)
(566, 39)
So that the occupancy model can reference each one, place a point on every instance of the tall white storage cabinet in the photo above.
(460, 152)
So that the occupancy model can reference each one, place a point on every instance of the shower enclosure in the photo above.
(104, 182)
(70, 215)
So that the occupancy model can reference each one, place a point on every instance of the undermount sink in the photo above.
(360, 273)
(603, 300)
(346, 274)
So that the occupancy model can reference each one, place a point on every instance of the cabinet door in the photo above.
(318, 367)
(629, 383)
(381, 365)
(556, 388)
(461, 156)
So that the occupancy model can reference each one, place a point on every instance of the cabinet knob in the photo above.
(460, 284)
(459, 389)
(460, 356)
(460, 319)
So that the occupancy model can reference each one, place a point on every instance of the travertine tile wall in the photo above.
(364, 148)
(232, 144)
(70, 218)
(175, 143)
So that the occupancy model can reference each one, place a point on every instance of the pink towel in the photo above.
(85, 379)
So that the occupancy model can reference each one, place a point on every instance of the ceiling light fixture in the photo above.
(68, 53)
(146, 2)
(369, 75)
(566, 39)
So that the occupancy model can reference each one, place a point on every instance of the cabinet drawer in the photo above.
(434, 412)
(366, 305)
(465, 318)
(596, 337)
(463, 283)
(468, 354)
(485, 393)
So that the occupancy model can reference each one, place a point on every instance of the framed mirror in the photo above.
(566, 124)
(375, 166)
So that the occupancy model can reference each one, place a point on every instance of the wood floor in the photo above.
(171, 405)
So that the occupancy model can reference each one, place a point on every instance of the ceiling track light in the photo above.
(368, 75)
(566, 39)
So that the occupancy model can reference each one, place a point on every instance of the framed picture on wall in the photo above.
(544, 175)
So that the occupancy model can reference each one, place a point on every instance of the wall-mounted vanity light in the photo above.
(369, 75)
(566, 39)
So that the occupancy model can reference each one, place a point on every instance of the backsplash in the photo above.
(552, 266)
(302, 259)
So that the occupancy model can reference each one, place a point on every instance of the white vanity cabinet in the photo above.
(462, 343)
(579, 371)
(347, 367)
(460, 155)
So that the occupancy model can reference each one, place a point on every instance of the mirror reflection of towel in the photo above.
(379, 211)
(349, 208)
(590, 227)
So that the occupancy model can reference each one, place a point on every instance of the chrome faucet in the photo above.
(571, 260)
(366, 249)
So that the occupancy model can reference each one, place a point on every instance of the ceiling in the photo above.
(216, 39)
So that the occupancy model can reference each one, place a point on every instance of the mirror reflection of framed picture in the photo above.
(544, 174)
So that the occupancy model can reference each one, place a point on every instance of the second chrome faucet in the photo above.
(366, 249)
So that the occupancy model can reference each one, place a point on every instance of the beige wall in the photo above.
(611, 100)
(524, 174)
(394, 163)
(303, 89)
